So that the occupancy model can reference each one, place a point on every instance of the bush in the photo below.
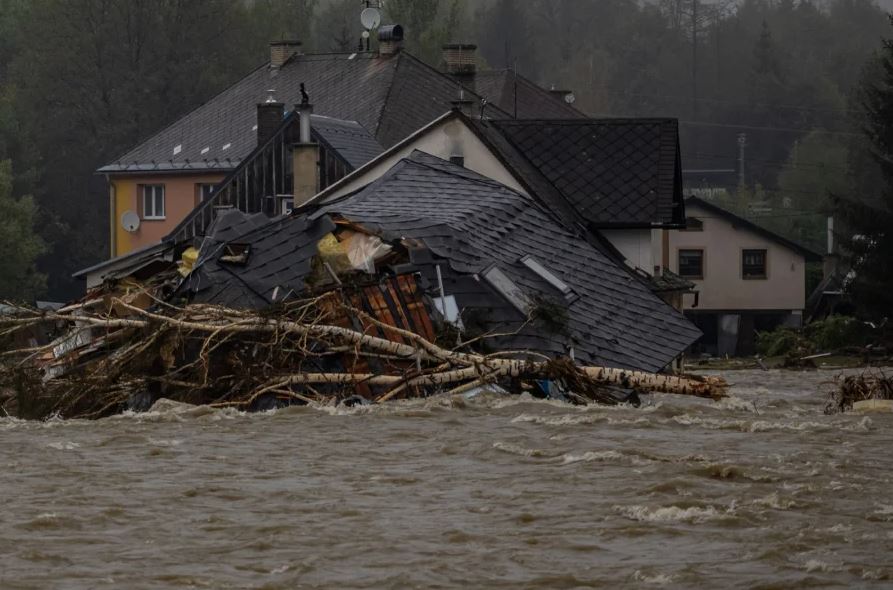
(838, 332)
(781, 342)
(827, 335)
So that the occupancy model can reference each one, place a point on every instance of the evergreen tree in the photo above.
(869, 217)
(19, 279)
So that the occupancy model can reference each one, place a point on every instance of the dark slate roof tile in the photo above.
(608, 172)
(619, 321)
(389, 97)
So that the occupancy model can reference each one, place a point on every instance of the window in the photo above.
(458, 160)
(153, 201)
(204, 191)
(753, 264)
(693, 224)
(544, 273)
(691, 264)
(508, 289)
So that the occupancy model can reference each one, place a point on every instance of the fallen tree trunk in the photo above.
(208, 354)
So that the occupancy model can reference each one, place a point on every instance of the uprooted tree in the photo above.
(116, 355)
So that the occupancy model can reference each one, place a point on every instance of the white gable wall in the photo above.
(723, 287)
(451, 138)
(636, 245)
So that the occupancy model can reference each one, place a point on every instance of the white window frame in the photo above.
(156, 191)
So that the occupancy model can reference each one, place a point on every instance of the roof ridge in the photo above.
(387, 96)
(536, 170)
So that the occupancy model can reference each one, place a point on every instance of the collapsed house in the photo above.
(429, 278)
(490, 260)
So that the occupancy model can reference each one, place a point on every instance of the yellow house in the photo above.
(159, 200)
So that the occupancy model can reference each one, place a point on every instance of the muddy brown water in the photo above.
(758, 491)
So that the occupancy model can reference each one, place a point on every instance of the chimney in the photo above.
(305, 159)
(460, 62)
(281, 52)
(390, 40)
(463, 104)
(269, 116)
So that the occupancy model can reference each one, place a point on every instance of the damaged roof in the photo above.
(388, 96)
(470, 225)
(610, 172)
(279, 256)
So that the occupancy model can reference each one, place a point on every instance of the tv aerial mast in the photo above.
(370, 18)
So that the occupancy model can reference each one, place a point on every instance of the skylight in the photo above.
(507, 288)
(544, 273)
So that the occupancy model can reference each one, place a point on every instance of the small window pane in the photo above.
(153, 201)
(753, 264)
(691, 264)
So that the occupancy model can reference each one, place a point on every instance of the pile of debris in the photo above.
(117, 353)
(850, 390)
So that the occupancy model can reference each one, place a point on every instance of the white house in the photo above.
(748, 278)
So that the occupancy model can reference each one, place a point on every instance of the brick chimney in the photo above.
(304, 158)
(390, 40)
(281, 52)
(460, 62)
(269, 116)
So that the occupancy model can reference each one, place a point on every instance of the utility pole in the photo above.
(742, 143)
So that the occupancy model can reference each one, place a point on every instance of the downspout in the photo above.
(113, 215)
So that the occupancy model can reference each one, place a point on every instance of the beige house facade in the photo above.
(747, 278)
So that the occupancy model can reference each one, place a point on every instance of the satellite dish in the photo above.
(130, 221)
(371, 18)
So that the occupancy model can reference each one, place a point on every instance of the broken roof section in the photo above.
(500, 256)
(612, 173)
(389, 96)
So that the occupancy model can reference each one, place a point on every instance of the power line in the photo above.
(761, 128)
(776, 163)
(766, 105)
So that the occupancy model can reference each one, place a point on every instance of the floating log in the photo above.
(220, 356)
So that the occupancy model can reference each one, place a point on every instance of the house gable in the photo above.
(722, 240)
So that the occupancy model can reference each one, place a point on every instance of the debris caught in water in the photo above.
(341, 344)
(853, 389)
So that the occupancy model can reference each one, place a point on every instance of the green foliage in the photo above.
(828, 335)
(19, 279)
(837, 332)
(867, 209)
(781, 342)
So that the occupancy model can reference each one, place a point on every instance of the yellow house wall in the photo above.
(180, 196)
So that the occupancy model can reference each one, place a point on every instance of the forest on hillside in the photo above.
(83, 80)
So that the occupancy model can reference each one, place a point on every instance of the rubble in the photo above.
(852, 391)
(322, 349)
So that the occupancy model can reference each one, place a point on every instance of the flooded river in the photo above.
(760, 490)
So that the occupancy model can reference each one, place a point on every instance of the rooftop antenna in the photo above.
(370, 18)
